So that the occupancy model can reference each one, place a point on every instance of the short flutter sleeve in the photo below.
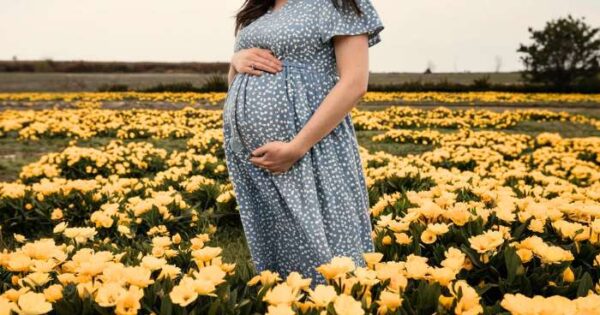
(343, 20)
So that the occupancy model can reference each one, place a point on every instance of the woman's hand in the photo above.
(262, 59)
(277, 156)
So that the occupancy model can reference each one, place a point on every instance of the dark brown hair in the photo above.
(253, 9)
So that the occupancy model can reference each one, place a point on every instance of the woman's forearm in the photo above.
(352, 60)
(336, 105)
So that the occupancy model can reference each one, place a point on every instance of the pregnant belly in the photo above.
(271, 107)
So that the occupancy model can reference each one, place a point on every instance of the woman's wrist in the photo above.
(301, 146)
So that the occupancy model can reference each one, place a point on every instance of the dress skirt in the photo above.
(319, 208)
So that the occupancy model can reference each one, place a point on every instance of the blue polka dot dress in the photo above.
(319, 208)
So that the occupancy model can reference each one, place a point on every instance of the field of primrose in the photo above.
(121, 203)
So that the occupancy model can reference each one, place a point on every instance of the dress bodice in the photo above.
(301, 31)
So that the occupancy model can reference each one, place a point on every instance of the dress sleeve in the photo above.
(344, 21)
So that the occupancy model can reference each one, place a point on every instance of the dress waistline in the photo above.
(287, 64)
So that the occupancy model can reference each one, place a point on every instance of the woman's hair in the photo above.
(253, 9)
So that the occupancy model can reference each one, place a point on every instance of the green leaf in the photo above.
(585, 285)
(514, 267)
(472, 256)
(166, 306)
(520, 229)
(213, 308)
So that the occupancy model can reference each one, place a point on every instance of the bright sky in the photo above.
(454, 35)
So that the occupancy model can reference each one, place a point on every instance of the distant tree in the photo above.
(430, 67)
(565, 52)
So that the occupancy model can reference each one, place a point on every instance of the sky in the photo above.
(451, 35)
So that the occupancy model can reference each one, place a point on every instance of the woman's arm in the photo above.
(231, 74)
(352, 57)
(353, 66)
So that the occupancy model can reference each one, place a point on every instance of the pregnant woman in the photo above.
(298, 69)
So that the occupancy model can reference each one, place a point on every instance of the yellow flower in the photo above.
(442, 275)
(455, 259)
(124, 230)
(6, 306)
(129, 301)
(169, 271)
(297, 282)
(537, 226)
(389, 301)
(525, 254)
(204, 287)
(428, 237)
(372, 258)
(184, 293)
(19, 238)
(280, 309)
(212, 273)
(416, 267)
(266, 277)
(101, 219)
(487, 241)
(108, 294)
(446, 301)
(57, 214)
(206, 254)
(13, 295)
(322, 295)
(347, 305)
(53, 293)
(85, 289)
(386, 240)
(469, 301)
(337, 267)
(80, 234)
(438, 228)
(37, 279)
(568, 275)
(280, 294)
(459, 217)
(176, 238)
(32, 303)
(403, 238)
(152, 263)
(59, 228)
(19, 262)
(138, 276)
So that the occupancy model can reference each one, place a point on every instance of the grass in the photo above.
(364, 139)
(457, 78)
(73, 82)
(235, 248)
(565, 129)
(16, 154)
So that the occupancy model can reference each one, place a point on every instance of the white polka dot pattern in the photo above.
(319, 208)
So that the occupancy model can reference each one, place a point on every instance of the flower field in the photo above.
(96, 99)
(135, 213)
